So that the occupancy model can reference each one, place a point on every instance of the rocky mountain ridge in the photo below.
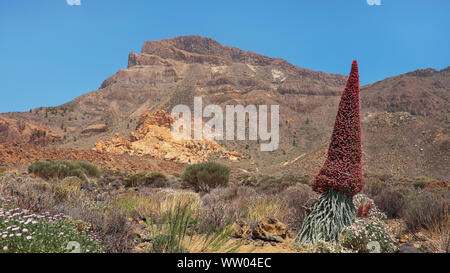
(405, 119)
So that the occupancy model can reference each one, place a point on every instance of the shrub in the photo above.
(156, 204)
(366, 233)
(422, 182)
(169, 232)
(32, 194)
(373, 186)
(274, 185)
(62, 169)
(390, 201)
(222, 206)
(206, 175)
(425, 210)
(39, 196)
(263, 206)
(296, 200)
(176, 233)
(362, 200)
(23, 232)
(111, 227)
(154, 179)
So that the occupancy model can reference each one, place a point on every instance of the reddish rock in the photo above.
(95, 128)
(20, 131)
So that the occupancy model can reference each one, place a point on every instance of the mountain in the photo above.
(405, 118)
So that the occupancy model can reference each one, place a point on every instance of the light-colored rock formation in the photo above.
(153, 137)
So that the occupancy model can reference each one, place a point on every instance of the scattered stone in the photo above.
(260, 243)
(142, 247)
(142, 233)
(270, 229)
(408, 248)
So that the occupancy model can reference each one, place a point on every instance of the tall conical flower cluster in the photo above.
(341, 175)
(342, 170)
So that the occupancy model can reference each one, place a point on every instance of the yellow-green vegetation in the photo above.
(175, 232)
(69, 187)
(2, 170)
(61, 169)
(156, 204)
(206, 175)
(261, 207)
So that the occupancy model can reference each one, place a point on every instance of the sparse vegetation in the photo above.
(113, 205)
(155, 204)
(426, 210)
(153, 179)
(390, 201)
(175, 233)
(271, 184)
(62, 169)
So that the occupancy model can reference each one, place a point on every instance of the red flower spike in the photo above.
(342, 169)
(363, 210)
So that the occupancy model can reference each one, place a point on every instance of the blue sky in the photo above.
(51, 52)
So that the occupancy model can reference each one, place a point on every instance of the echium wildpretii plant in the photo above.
(341, 175)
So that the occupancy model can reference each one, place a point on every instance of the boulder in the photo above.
(270, 229)
(408, 248)
(241, 229)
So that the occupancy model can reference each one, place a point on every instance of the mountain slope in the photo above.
(405, 118)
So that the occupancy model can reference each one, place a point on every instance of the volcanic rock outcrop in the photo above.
(20, 131)
(153, 137)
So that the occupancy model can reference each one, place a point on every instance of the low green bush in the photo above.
(271, 184)
(206, 175)
(368, 235)
(61, 169)
(154, 179)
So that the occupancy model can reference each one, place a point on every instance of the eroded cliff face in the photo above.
(20, 131)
